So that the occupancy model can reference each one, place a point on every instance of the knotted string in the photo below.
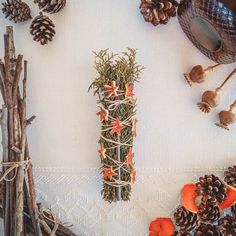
(43, 213)
(13, 166)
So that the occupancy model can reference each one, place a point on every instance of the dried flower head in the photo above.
(210, 99)
(198, 74)
(227, 117)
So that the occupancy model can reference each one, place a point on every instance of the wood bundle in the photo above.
(19, 210)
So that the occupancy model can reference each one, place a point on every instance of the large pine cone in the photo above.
(158, 11)
(208, 211)
(185, 219)
(230, 176)
(16, 10)
(42, 29)
(227, 225)
(211, 185)
(51, 6)
(207, 230)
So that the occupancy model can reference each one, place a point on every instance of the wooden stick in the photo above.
(21, 170)
(9, 77)
(4, 119)
(32, 193)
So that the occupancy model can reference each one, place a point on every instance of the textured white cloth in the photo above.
(175, 143)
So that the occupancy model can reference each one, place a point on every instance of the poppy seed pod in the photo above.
(227, 117)
(210, 99)
(198, 74)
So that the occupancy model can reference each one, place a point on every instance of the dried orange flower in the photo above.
(117, 126)
(108, 173)
(111, 89)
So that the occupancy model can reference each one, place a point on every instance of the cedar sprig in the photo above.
(124, 70)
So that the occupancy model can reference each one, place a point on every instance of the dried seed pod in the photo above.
(227, 117)
(210, 99)
(158, 11)
(230, 176)
(198, 74)
(51, 6)
(16, 10)
(42, 29)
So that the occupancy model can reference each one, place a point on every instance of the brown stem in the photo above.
(232, 106)
(20, 172)
(209, 68)
(17, 78)
(9, 76)
(227, 79)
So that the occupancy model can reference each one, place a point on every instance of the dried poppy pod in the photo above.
(227, 117)
(211, 99)
(198, 74)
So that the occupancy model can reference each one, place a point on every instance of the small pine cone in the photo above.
(230, 176)
(227, 225)
(181, 233)
(16, 10)
(207, 230)
(42, 29)
(185, 219)
(233, 211)
(51, 6)
(158, 11)
(211, 185)
(208, 211)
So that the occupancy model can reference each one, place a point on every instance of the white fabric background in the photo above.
(175, 143)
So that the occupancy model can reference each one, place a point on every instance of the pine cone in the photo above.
(211, 185)
(16, 10)
(227, 225)
(207, 230)
(158, 11)
(51, 6)
(185, 219)
(208, 211)
(233, 211)
(181, 233)
(42, 29)
(230, 176)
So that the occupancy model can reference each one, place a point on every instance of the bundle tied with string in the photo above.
(18, 206)
(117, 112)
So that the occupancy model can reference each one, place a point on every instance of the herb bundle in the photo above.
(114, 87)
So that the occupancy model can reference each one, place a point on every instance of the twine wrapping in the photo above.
(13, 166)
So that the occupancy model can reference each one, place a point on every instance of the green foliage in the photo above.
(124, 70)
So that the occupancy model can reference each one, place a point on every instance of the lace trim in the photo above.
(74, 194)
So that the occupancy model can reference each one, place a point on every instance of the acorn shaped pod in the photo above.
(227, 117)
(211, 26)
(198, 74)
(210, 99)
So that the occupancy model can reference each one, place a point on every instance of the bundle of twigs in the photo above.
(21, 214)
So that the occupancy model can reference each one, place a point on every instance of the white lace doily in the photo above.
(74, 196)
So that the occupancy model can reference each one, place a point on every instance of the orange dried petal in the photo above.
(161, 227)
(189, 196)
